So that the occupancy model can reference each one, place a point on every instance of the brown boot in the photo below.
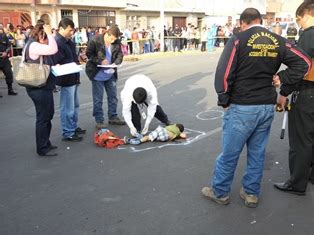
(209, 193)
(116, 121)
(100, 125)
(250, 201)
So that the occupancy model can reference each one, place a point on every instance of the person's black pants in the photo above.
(6, 67)
(44, 105)
(181, 43)
(301, 139)
(312, 166)
(17, 51)
(136, 116)
(177, 44)
(130, 47)
(203, 47)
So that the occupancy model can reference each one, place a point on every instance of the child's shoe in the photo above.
(126, 140)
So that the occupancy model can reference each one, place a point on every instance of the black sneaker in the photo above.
(116, 121)
(52, 147)
(48, 154)
(11, 92)
(80, 131)
(73, 138)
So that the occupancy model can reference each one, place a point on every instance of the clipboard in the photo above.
(64, 69)
(108, 66)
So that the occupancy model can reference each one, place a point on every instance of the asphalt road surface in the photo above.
(154, 188)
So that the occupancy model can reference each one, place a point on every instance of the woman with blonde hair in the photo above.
(42, 43)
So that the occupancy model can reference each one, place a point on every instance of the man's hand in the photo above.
(281, 103)
(104, 62)
(276, 81)
(145, 129)
(133, 131)
(4, 54)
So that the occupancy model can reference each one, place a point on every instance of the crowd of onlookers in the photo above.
(137, 40)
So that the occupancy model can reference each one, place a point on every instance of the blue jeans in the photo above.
(98, 95)
(136, 140)
(243, 124)
(69, 107)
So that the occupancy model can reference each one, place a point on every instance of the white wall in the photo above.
(289, 8)
(91, 3)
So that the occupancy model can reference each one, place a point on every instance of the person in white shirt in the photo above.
(138, 91)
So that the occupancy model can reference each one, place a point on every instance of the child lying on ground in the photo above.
(162, 134)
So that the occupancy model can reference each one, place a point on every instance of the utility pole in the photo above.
(33, 12)
(162, 16)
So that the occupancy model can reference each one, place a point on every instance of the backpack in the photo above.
(107, 139)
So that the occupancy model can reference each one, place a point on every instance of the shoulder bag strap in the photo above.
(24, 54)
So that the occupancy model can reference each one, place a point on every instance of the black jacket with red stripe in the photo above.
(248, 63)
(306, 42)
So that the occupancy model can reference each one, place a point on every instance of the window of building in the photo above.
(67, 14)
(133, 21)
(96, 18)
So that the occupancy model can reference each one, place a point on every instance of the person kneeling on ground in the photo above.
(162, 134)
(140, 92)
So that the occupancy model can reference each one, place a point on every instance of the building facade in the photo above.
(129, 13)
(288, 9)
(96, 13)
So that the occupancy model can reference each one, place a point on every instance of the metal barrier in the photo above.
(145, 40)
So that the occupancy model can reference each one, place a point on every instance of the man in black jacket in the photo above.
(5, 64)
(301, 115)
(243, 82)
(177, 41)
(69, 102)
(104, 50)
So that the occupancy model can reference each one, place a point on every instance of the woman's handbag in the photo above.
(32, 75)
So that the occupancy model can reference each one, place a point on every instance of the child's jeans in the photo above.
(136, 140)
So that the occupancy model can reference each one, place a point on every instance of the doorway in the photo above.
(180, 21)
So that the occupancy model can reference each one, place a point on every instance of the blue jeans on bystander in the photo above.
(98, 95)
(69, 107)
(243, 124)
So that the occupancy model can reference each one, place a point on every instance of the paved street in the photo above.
(154, 188)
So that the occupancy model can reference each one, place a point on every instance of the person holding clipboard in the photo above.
(104, 54)
(69, 82)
